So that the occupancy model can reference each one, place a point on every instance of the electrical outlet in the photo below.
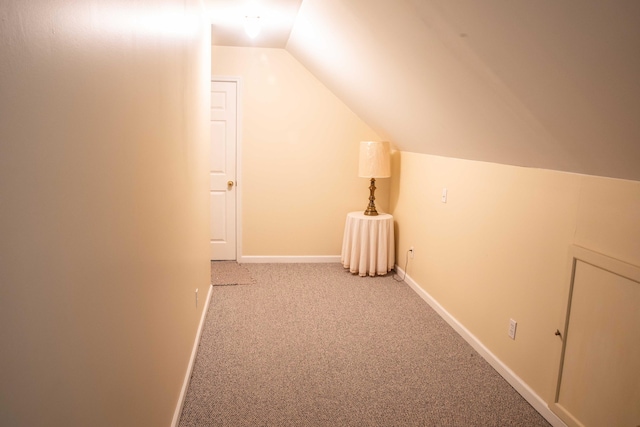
(411, 253)
(512, 329)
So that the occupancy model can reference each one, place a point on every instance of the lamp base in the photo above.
(371, 209)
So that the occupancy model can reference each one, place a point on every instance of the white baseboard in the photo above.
(516, 382)
(192, 359)
(288, 259)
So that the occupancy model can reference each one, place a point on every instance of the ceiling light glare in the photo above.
(252, 26)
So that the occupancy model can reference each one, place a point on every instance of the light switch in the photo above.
(444, 195)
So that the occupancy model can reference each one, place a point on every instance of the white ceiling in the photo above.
(276, 20)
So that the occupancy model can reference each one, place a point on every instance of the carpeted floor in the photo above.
(229, 273)
(313, 345)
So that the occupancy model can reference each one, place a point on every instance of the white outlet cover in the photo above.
(444, 195)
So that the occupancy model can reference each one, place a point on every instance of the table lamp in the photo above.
(375, 162)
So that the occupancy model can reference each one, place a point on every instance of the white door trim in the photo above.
(239, 183)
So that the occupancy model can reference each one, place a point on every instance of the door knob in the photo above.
(230, 183)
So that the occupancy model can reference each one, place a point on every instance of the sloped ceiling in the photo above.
(547, 84)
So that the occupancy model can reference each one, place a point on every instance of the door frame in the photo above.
(238, 187)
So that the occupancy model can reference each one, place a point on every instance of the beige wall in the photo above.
(499, 248)
(103, 194)
(299, 156)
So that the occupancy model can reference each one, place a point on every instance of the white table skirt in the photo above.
(368, 246)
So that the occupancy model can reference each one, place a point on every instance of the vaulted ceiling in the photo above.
(544, 84)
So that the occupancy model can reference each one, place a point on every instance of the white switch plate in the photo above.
(512, 329)
(444, 195)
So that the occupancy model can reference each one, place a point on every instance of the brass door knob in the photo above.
(230, 183)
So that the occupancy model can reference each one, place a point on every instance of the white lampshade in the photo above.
(375, 160)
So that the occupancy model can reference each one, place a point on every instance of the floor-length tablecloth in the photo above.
(368, 244)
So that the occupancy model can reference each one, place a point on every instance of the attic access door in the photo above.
(222, 169)
(599, 377)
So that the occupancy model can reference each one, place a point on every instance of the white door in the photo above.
(222, 170)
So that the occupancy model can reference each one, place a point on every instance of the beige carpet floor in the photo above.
(313, 345)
